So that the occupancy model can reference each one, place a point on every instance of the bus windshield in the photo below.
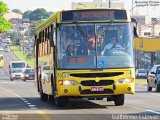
(95, 45)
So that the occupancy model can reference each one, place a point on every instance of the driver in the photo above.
(112, 45)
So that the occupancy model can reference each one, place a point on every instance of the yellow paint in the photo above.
(147, 44)
(44, 115)
(74, 90)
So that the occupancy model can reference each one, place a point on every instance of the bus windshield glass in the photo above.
(18, 65)
(95, 45)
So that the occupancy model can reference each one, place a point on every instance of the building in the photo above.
(11, 15)
(147, 26)
(98, 4)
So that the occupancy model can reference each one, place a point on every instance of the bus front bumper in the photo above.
(80, 91)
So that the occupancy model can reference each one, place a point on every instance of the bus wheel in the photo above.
(11, 79)
(119, 99)
(61, 101)
(43, 96)
(51, 98)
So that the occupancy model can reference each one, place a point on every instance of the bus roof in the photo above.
(18, 61)
(56, 15)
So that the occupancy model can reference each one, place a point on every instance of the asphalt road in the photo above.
(21, 101)
(8, 57)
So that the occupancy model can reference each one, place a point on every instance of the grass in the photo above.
(22, 56)
(141, 81)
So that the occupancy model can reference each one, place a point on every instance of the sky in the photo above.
(55, 5)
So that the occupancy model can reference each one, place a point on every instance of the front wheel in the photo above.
(61, 101)
(119, 99)
(43, 96)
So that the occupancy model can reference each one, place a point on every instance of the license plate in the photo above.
(97, 88)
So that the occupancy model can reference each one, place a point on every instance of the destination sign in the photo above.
(78, 60)
(100, 14)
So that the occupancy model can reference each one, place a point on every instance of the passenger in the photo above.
(82, 48)
(70, 50)
(112, 45)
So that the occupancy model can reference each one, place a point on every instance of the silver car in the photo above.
(153, 78)
(16, 74)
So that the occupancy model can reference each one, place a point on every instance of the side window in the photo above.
(155, 68)
(152, 69)
(158, 70)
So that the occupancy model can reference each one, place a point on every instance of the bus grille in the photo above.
(93, 75)
(94, 83)
(106, 91)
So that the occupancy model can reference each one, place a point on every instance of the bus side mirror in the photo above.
(134, 27)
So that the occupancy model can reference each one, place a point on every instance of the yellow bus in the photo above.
(75, 56)
(1, 61)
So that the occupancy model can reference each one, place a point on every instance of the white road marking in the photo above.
(24, 100)
(11, 92)
(153, 111)
(31, 105)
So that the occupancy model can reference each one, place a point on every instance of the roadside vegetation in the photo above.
(28, 57)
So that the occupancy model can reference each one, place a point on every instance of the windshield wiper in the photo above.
(81, 30)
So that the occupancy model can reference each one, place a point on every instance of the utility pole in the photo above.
(109, 3)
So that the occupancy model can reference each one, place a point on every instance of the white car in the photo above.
(16, 74)
(7, 49)
(141, 73)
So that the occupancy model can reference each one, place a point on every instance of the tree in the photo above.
(38, 14)
(14, 36)
(5, 25)
(27, 14)
(17, 11)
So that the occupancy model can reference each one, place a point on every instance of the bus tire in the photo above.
(51, 99)
(43, 96)
(61, 101)
(119, 99)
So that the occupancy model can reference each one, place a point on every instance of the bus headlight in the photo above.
(124, 80)
(69, 83)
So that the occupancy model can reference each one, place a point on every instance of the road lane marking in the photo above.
(11, 92)
(153, 111)
(40, 112)
(156, 94)
(31, 105)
